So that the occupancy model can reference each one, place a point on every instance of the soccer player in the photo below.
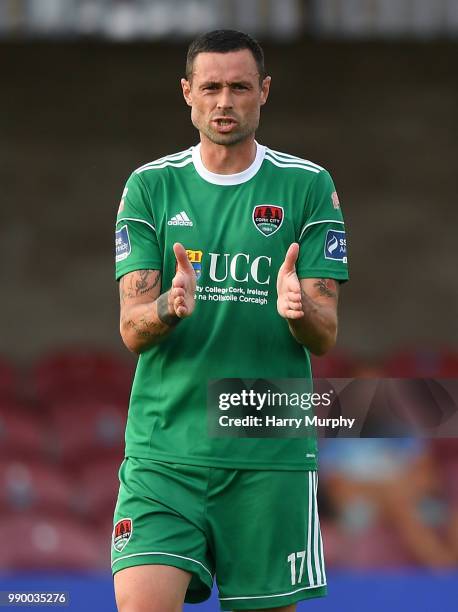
(229, 257)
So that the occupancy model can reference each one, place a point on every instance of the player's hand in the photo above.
(181, 296)
(289, 301)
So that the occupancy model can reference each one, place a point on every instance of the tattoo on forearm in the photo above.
(138, 284)
(163, 311)
(144, 284)
(325, 286)
(146, 330)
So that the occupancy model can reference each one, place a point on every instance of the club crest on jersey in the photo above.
(122, 533)
(195, 258)
(268, 218)
(335, 245)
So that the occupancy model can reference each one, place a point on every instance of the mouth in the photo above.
(224, 124)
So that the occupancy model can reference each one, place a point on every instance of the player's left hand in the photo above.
(289, 301)
(181, 295)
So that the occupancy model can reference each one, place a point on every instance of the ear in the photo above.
(186, 87)
(265, 88)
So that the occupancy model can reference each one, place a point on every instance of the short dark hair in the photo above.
(224, 41)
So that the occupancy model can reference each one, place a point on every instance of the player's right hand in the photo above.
(181, 295)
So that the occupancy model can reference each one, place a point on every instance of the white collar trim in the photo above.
(228, 179)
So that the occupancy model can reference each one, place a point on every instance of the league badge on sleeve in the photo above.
(335, 245)
(122, 243)
(268, 218)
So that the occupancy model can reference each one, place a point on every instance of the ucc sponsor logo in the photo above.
(240, 267)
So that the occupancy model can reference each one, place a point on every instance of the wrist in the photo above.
(165, 312)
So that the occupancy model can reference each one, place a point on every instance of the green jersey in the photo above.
(236, 230)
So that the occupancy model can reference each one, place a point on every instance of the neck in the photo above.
(221, 159)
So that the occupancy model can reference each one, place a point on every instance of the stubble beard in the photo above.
(241, 133)
(227, 139)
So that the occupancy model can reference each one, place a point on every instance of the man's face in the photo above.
(225, 96)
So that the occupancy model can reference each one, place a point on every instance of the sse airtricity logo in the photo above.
(335, 245)
(122, 243)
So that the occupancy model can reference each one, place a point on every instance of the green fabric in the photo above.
(235, 330)
(257, 530)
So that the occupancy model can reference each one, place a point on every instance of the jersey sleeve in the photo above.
(136, 243)
(322, 239)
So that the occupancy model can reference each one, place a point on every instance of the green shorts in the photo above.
(256, 531)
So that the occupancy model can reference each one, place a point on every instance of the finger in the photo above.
(181, 257)
(294, 304)
(180, 307)
(294, 314)
(177, 289)
(178, 282)
(182, 311)
(289, 309)
(294, 297)
(291, 257)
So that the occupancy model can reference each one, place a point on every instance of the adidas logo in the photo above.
(181, 219)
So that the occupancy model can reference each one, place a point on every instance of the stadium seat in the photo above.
(422, 363)
(445, 455)
(336, 364)
(34, 486)
(98, 489)
(21, 433)
(375, 547)
(37, 542)
(88, 429)
(81, 373)
(8, 380)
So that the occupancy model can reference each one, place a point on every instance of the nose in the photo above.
(225, 97)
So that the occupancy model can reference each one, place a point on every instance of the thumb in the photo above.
(181, 256)
(291, 258)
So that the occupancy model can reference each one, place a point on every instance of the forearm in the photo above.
(145, 325)
(317, 328)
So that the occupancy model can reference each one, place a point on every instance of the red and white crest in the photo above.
(122, 533)
(268, 218)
